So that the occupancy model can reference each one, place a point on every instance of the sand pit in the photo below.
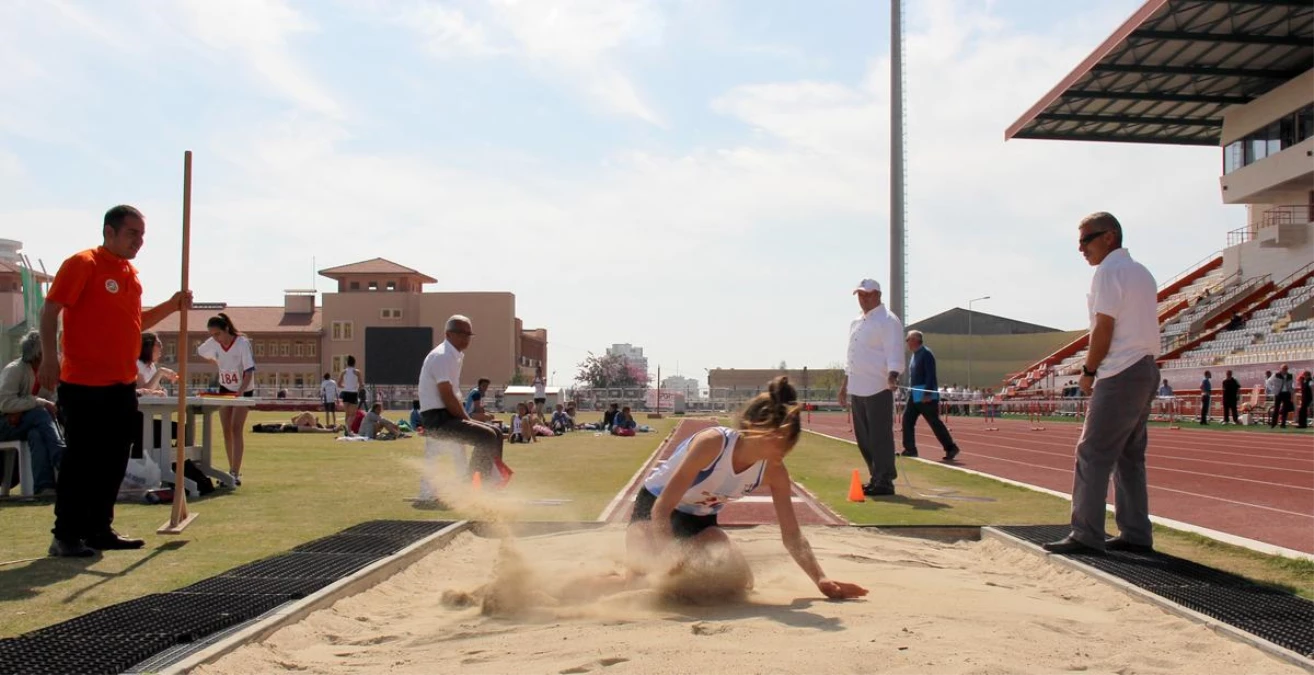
(980, 607)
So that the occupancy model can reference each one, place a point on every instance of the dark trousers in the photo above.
(98, 435)
(931, 411)
(1229, 409)
(1204, 408)
(485, 439)
(873, 424)
(1302, 416)
(1281, 408)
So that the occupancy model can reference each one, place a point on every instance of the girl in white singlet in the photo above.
(679, 502)
(231, 352)
(349, 384)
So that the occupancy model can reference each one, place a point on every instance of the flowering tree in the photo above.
(608, 370)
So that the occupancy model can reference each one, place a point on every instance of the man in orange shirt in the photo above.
(98, 293)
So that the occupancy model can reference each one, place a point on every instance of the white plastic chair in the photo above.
(17, 450)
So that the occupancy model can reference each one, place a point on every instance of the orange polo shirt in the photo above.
(101, 297)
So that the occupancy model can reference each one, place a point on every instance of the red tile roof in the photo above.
(375, 266)
(248, 320)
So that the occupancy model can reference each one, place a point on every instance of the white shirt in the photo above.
(443, 364)
(540, 388)
(328, 390)
(716, 484)
(145, 371)
(351, 380)
(1124, 290)
(875, 350)
(234, 362)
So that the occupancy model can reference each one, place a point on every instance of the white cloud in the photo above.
(258, 32)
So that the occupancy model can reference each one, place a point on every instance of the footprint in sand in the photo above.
(611, 661)
(704, 628)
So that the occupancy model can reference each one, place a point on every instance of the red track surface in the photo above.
(809, 511)
(1254, 485)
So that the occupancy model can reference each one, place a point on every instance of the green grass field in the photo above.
(301, 487)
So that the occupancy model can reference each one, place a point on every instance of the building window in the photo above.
(285, 348)
(170, 351)
(374, 285)
(338, 365)
(258, 346)
(390, 313)
(392, 285)
(341, 330)
(1274, 138)
(310, 349)
(298, 348)
(355, 286)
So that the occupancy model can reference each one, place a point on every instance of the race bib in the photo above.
(230, 379)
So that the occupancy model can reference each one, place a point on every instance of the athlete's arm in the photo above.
(777, 479)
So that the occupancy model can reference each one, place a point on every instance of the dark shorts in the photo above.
(350, 397)
(683, 525)
(540, 402)
(330, 406)
(249, 394)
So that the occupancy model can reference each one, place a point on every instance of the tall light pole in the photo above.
(969, 338)
(898, 291)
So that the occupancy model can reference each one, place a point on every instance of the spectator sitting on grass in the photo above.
(623, 424)
(417, 422)
(609, 417)
(561, 422)
(375, 426)
(474, 402)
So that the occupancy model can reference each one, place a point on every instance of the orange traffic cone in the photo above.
(477, 482)
(855, 488)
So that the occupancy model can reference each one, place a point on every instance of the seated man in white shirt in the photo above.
(440, 400)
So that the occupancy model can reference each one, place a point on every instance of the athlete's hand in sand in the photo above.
(840, 590)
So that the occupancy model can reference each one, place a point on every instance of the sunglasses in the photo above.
(1091, 237)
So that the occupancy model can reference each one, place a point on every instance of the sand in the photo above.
(979, 607)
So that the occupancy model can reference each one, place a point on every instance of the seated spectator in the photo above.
(474, 402)
(521, 423)
(623, 424)
(561, 422)
(1236, 323)
(1165, 391)
(307, 423)
(353, 425)
(150, 375)
(375, 426)
(609, 417)
(26, 416)
(417, 422)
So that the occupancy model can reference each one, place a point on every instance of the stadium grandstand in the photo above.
(1237, 75)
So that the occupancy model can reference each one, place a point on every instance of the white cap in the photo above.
(868, 286)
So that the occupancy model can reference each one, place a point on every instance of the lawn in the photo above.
(295, 488)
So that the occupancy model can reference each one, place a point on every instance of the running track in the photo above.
(755, 509)
(1254, 485)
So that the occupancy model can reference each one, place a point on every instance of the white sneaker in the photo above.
(237, 480)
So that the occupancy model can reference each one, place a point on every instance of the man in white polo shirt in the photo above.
(1120, 369)
(440, 399)
(870, 376)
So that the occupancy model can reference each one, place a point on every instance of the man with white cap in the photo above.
(871, 375)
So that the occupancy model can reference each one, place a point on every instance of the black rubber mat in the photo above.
(1284, 619)
(120, 637)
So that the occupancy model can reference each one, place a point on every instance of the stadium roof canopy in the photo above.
(1167, 74)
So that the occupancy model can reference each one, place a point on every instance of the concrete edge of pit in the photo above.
(1159, 601)
(364, 579)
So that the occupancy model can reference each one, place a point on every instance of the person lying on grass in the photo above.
(674, 526)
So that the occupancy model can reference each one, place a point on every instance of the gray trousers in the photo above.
(1113, 441)
(873, 424)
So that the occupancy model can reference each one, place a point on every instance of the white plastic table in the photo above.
(163, 455)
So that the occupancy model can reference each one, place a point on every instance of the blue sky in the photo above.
(703, 178)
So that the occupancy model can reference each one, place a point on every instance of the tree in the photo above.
(609, 370)
(637, 376)
(518, 378)
(783, 366)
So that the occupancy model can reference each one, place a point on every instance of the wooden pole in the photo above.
(180, 518)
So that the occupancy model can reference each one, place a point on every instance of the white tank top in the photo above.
(716, 484)
(350, 380)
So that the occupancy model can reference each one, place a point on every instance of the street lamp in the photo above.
(969, 338)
